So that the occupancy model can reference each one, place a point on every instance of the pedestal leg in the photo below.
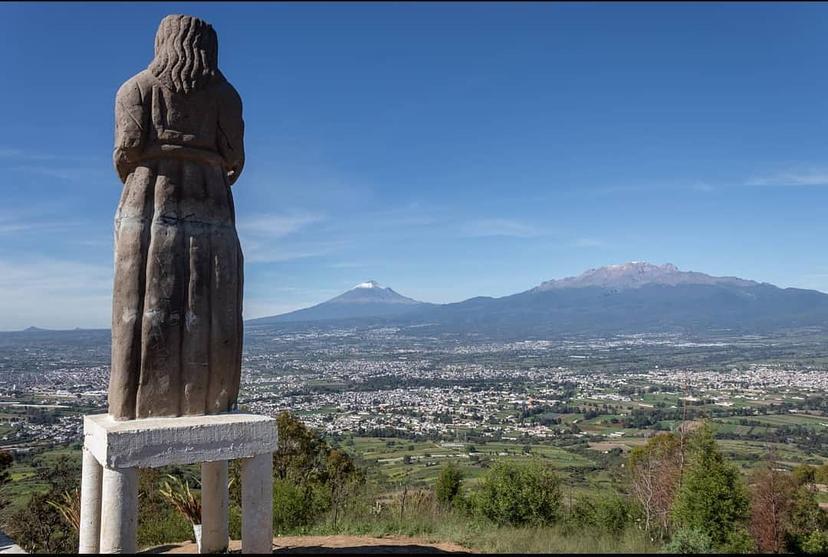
(90, 504)
(214, 496)
(257, 504)
(119, 510)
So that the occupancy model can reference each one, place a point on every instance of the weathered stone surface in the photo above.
(154, 442)
(177, 298)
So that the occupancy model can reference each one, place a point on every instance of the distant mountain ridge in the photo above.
(630, 297)
(638, 273)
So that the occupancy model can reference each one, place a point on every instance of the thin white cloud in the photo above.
(280, 252)
(483, 228)
(54, 294)
(347, 265)
(657, 187)
(271, 238)
(256, 306)
(20, 155)
(68, 173)
(588, 243)
(277, 226)
(22, 222)
(801, 178)
(60, 166)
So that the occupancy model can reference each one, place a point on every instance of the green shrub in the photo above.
(519, 494)
(39, 528)
(689, 540)
(448, 485)
(815, 543)
(739, 541)
(610, 513)
(296, 506)
(712, 497)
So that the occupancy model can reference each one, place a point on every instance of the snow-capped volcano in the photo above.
(366, 299)
(370, 292)
(369, 284)
(638, 273)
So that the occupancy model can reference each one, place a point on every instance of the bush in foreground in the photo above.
(527, 494)
(712, 497)
(449, 483)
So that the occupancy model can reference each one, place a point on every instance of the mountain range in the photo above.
(631, 297)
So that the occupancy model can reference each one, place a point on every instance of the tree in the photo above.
(770, 505)
(805, 522)
(310, 476)
(712, 497)
(520, 494)
(40, 526)
(448, 485)
(342, 475)
(6, 460)
(655, 471)
(804, 474)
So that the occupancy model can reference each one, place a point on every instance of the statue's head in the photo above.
(186, 53)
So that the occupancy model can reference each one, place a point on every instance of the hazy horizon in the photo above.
(447, 151)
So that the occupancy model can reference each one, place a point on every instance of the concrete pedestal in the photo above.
(115, 450)
(90, 505)
(119, 510)
(214, 503)
(257, 504)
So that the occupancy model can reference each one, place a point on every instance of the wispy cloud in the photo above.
(483, 228)
(797, 178)
(23, 223)
(280, 252)
(277, 226)
(588, 243)
(262, 306)
(65, 172)
(347, 265)
(21, 155)
(274, 238)
(54, 294)
(54, 165)
(659, 187)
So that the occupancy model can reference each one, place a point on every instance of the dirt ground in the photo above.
(334, 544)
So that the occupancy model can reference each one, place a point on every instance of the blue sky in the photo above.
(446, 150)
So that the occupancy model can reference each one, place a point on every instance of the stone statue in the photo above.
(177, 299)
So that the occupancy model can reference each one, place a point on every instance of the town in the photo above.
(345, 382)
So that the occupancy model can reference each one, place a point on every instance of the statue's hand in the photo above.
(233, 174)
(124, 164)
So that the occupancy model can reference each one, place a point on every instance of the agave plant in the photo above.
(69, 508)
(178, 494)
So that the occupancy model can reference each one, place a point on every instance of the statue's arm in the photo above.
(130, 128)
(231, 133)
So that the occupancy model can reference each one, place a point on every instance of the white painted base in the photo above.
(119, 510)
(257, 504)
(90, 505)
(214, 503)
(153, 442)
(115, 450)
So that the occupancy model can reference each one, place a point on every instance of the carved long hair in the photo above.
(186, 53)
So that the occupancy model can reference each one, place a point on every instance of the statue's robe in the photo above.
(177, 299)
